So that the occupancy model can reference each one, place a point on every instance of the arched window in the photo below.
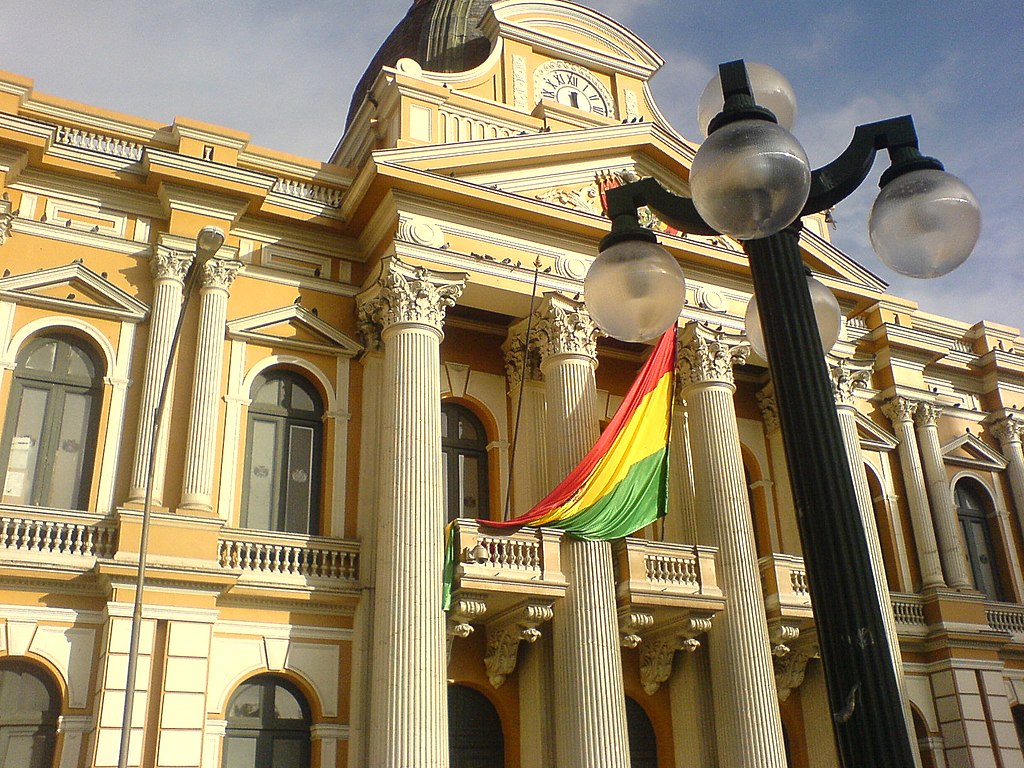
(973, 513)
(643, 747)
(464, 445)
(268, 726)
(475, 737)
(29, 708)
(49, 438)
(284, 455)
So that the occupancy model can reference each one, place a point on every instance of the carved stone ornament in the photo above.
(220, 273)
(517, 355)
(406, 294)
(416, 229)
(504, 635)
(631, 625)
(586, 199)
(769, 408)
(657, 653)
(847, 378)
(564, 327)
(466, 608)
(791, 669)
(519, 82)
(705, 355)
(1009, 429)
(781, 636)
(926, 414)
(168, 264)
(6, 218)
(899, 409)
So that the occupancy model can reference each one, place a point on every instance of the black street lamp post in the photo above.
(867, 710)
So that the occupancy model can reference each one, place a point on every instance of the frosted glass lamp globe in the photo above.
(634, 290)
(769, 87)
(750, 179)
(827, 315)
(924, 223)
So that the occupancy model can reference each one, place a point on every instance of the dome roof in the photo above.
(440, 35)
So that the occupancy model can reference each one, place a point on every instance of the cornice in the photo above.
(78, 237)
(154, 159)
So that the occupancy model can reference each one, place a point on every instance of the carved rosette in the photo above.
(769, 409)
(564, 327)
(899, 409)
(847, 378)
(656, 653)
(6, 218)
(926, 414)
(406, 294)
(168, 264)
(219, 274)
(706, 356)
(1009, 429)
(505, 633)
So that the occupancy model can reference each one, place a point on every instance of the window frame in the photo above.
(981, 516)
(44, 726)
(285, 419)
(58, 387)
(266, 729)
(451, 449)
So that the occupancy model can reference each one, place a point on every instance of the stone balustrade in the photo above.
(264, 556)
(57, 538)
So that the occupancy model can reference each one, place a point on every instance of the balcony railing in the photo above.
(661, 573)
(262, 555)
(64, 538)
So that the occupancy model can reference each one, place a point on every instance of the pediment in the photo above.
(971, 451)
(72, 289)
(873, 437)
(293, 327)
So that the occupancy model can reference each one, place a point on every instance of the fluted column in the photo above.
(681, 520)
(900, 411)
(404, 311)
(952, 551)
(847, 377)
(526, 397)
(589, 700)
(785, 536)
(200, 445)
(1009, 429)
(169, 269)
(747, 720)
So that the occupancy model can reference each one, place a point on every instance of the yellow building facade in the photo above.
(394, 339)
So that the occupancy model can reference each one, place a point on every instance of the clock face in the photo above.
(573, 90)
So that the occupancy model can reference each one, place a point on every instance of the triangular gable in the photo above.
(970, 451)
(72, 289)
(293, 327)
(873, 437)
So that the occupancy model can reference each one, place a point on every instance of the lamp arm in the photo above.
(674, 210)
(836, 181)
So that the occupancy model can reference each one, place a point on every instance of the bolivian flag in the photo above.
(621, 485)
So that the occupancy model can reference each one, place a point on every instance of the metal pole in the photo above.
(147, 512)
(867, 710)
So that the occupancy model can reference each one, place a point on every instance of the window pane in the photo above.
(42, 357)
(469, 476)
(78, 363)
(467, 430)
(268, 392)
(246, 702)
(24, 449)
(239, 751)
(290, 753)
(299, 485)
(66, 482)
(286, 706)
(261, 500)
(301, 400)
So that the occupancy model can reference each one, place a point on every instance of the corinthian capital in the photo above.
(1009, 428)
(168, 264)
(926, 414)
(564, 327)
(847, 377)
(899, 409)
(707, 356)
(403, 293)
(522, 358)
(6, 217)
(220, 273)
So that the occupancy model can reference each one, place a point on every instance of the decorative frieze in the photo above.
(505, 633)
(707, 355)
(519, 82)
(416, 229)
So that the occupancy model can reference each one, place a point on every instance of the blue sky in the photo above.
(284, 72)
